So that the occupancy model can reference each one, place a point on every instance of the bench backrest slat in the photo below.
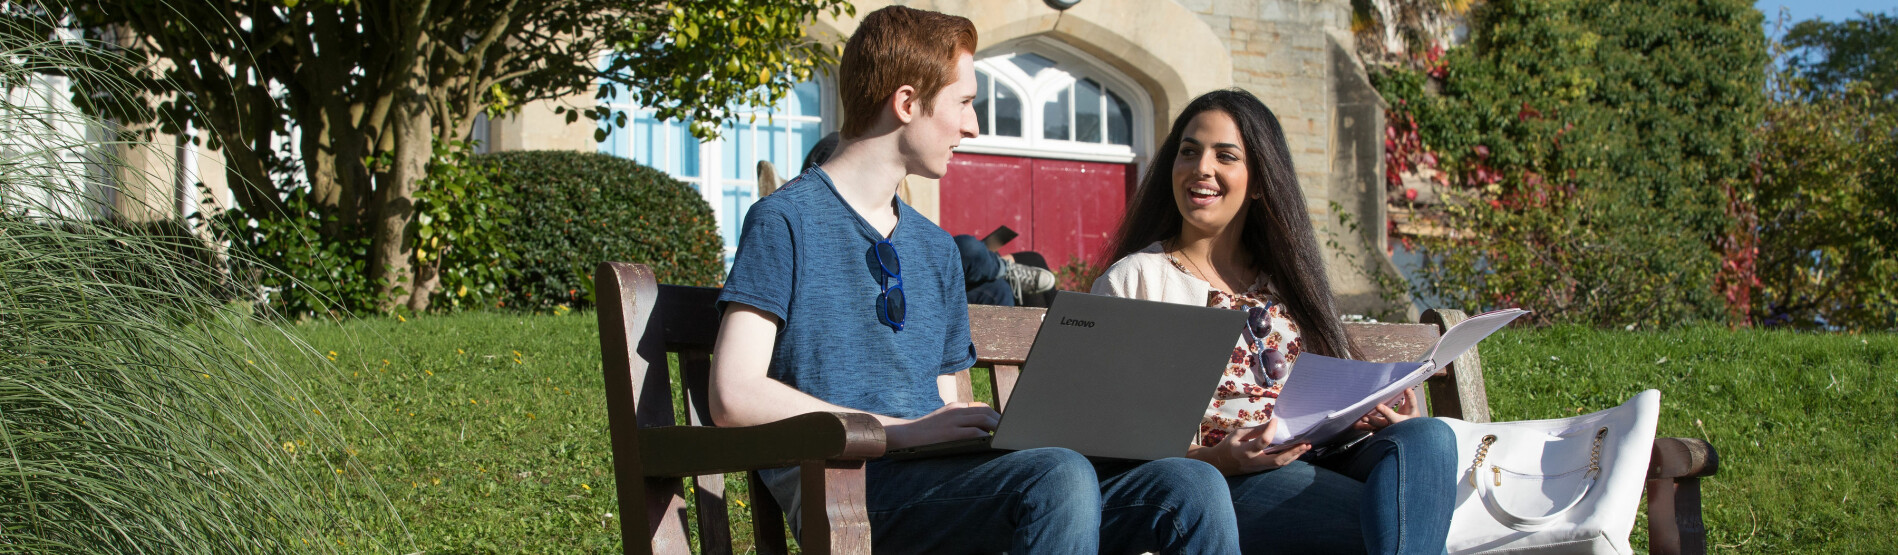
(1003, 334)
(1390, 342)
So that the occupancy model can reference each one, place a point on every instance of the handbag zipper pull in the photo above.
(1499, 474)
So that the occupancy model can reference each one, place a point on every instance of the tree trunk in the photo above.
(428, 278)
(389, 251)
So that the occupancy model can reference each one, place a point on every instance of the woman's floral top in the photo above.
(1259, 365)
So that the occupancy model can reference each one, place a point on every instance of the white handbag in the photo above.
(1569, 485)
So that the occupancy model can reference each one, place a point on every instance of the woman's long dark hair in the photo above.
(1278, 234)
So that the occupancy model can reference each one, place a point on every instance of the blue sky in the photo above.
(1830, 10)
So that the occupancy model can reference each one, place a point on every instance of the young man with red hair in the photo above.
(843, 299)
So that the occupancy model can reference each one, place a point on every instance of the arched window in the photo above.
(725, 171)
(1040, 98)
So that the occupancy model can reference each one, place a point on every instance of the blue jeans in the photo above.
(1392, 493)
(982, 273)
(1047, 501)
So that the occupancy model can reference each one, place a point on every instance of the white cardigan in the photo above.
(1148, 275)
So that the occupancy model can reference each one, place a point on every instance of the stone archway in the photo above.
(1165, 50)
(1163, 47)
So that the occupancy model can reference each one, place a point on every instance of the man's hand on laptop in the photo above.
(951, 422)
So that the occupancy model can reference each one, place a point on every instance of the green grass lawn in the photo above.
(487, 432)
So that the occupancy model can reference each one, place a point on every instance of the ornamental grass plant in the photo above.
(138, 413)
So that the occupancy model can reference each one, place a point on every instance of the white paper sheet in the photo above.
(1325, 395)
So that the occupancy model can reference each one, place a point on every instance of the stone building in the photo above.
(1073, 103)
(1120, 69)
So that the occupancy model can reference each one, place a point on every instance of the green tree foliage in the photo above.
(1827, 198)
(575, 210)
(1828, 212)
(1591, 152)
(369, 86)
(1832, 56)
(1393, 31)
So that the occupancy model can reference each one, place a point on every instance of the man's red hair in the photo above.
(898, 46)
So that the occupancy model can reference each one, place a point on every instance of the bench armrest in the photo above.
(1681, 457)
(1675, 526)
(681, 451)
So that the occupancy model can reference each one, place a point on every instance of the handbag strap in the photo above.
(1512, 520)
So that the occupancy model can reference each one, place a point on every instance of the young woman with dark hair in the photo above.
(1219, 221)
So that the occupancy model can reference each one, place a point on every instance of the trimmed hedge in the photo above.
(576, 210)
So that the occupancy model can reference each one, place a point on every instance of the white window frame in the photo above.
(60, 137)
(712, 182)
(1071, 65)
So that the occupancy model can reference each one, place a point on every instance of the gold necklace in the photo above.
(1203, 276)
(1202, 272)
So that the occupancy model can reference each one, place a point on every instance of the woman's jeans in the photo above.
(1047, 501)
(1392, 493)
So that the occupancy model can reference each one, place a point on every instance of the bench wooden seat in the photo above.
(656, 452)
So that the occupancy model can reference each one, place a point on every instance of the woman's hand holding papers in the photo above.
(1249, 450)
(951, 422)
(1382, 416)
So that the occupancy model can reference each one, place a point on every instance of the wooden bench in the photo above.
(656, 452)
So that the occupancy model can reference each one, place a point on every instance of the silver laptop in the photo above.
(1113, 378)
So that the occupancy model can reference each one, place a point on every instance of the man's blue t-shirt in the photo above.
(808, 258)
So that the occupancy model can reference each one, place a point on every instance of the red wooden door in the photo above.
(1059, 208)
(1077, 207)
(981, 192)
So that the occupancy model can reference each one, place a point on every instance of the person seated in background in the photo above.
(997, 279)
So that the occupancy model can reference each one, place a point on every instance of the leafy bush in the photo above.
(305, 266)
(462, 218)
(1595, 159)
(299, 271)
(1078, 275)
(576, 210)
